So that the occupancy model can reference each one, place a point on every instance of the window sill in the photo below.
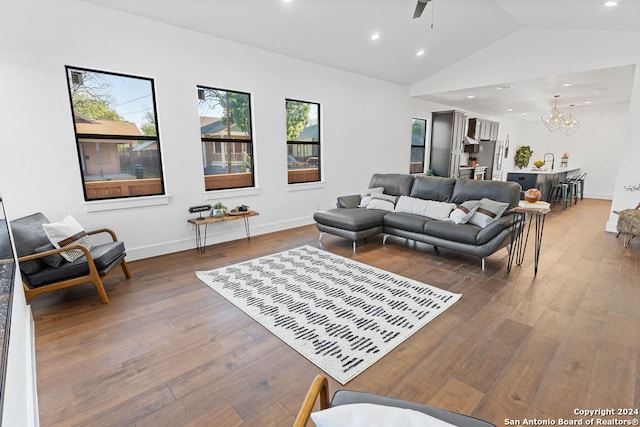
(133, 202)
(305, 186)
(232, 192)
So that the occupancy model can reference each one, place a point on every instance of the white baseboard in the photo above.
(611, 227)
(31, 371)
(213, 237)
(598, 196)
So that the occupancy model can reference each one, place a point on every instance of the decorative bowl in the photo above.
(538, 163)
(532, 195)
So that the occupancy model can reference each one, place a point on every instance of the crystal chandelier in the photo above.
(554, 119)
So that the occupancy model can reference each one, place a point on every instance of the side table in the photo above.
(201, 238)
(518, 245)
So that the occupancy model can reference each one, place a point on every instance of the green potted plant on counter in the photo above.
(523, 155)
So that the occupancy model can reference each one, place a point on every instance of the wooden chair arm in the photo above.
(86, 251)
(104, 230)
(319, 387)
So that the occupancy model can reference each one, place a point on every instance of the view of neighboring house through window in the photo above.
(116, 133)
(303, 141)
(418, 136)
(227, 142)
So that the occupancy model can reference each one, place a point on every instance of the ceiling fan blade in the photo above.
(420, 8)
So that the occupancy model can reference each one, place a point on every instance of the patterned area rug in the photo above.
(340, 314)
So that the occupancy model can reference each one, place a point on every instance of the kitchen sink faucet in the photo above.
(553, 159)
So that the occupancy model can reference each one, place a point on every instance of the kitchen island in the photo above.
(541, 178)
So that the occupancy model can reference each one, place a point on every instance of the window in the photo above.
(418, 136)
(303, 141)
(115, 123)
(227, 144)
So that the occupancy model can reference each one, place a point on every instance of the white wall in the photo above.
(628, 162)
(596, 148)
(20, 406)
(366, 122)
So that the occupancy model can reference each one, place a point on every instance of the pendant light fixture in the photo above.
(553, 120)
(571, 124)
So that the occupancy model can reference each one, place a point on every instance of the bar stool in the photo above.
(572, 190)
(558, 190)
(579, 183)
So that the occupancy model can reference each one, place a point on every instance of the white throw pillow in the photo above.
(370, 415)
(487, 212)
(427, 208)
(463, 213)
(366, 195)
(65, 233)
(386, 203)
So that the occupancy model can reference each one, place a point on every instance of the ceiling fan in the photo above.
(420, 8)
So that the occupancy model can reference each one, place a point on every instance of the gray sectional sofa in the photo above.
(470, 216)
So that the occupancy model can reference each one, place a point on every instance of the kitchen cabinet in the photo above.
(447, 144)
(483, 130)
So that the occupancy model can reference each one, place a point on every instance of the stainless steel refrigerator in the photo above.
(485, 156)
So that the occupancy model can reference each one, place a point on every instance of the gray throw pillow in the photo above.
(463, 213)
(488, 211)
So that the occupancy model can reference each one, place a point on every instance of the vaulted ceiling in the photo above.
(337, 33)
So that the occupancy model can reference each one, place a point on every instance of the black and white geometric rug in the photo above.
(340, 314)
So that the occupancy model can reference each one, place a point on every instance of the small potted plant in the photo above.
(472, 161)
(218, 210)
(522, 156)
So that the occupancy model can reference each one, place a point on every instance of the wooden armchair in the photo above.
(44, 270)
(320, 389)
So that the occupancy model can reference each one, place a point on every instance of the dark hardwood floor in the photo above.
(168, 351)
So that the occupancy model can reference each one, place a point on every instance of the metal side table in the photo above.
(518, 241)
(201, 238)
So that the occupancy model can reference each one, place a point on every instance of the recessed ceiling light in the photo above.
(420, 52)
(610, 3)
(286, 1)
(375, 36)
(470, 96)
(587, 102)
(524, 114)
(503, 87)
(509, 109)
(567, 84)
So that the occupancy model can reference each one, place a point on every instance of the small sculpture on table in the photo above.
(532, 195)
(219, 210)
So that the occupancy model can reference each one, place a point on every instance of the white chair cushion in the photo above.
(370, 415)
